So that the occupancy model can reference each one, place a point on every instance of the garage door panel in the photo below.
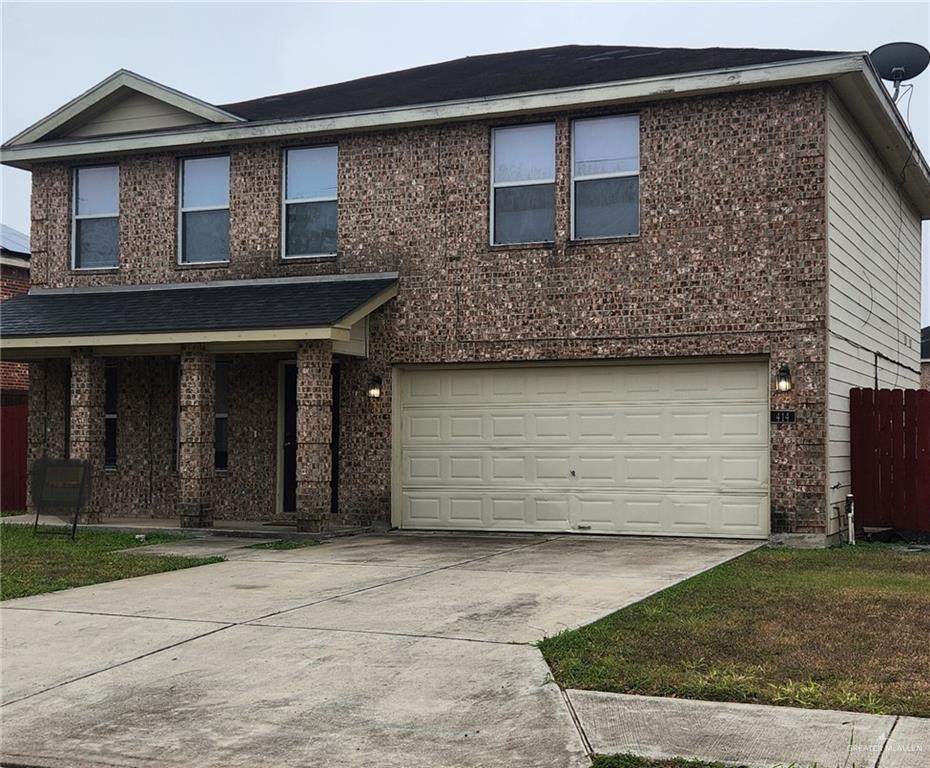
(560, 384)
(519, 424)
(635, 468)
(656, 449)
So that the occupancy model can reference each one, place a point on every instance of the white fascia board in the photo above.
(122, 78)
(627, 91)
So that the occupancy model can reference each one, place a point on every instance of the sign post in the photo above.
(60, 484)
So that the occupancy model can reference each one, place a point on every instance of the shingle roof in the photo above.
(240, 306)
(505, 73)
(925, 343)
(13, 241)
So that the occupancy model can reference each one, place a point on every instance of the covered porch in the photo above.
(210, 403)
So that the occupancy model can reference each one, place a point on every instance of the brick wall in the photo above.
(730, 260)
(14, 377)
(925, 375)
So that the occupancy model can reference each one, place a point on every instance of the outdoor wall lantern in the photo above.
(374, 387)
(783, 378)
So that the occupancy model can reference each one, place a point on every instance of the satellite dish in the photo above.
(897, 62)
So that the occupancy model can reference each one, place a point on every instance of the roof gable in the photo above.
(124, 103)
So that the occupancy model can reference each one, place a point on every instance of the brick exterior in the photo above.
(14, 377)
(196, 464)
(86, 428)
(731, 260)
(314, 430)
(925, 374)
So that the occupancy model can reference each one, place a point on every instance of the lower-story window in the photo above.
(221, 422)
(109, 415)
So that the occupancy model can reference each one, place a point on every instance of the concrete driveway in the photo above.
(393, 650)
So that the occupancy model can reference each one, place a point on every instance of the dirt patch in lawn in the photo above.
(825, 629)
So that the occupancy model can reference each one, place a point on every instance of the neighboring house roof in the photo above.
(14, 247)
(13, 241)
(506, 73)
(925, 343)
(233, 306)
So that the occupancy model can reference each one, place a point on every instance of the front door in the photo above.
(289, 440)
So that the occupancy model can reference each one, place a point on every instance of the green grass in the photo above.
(12, 512)
(632, 761)
(284, 544)
(842, 628)
(33, 564)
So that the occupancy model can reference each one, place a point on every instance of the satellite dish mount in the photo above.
(897, 62)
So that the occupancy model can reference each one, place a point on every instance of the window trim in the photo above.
(505, 184)
(285, 202)
(75, 216)
(197, 209)
(595, 176)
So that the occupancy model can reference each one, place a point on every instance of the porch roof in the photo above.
(224, 311)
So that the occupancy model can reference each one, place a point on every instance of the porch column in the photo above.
(314, 431)
(87, 424)
(196, 458)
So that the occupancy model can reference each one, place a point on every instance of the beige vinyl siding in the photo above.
(874, 285)
(136, 112)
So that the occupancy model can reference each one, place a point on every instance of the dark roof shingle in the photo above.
(240, 306)
(506, 73)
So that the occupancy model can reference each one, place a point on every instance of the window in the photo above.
(95, 225)
(605, 177)
(523, 184)
(204, 216)
(221, 422)
(109, 415)
(310, 201)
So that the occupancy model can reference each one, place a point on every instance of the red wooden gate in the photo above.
(13, 430)
(890, 457)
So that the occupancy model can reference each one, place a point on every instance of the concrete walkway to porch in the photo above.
(244, 528)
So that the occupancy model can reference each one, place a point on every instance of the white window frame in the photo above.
(286, 202)
(197, 209)
(595, 176)
(504, 184)
(75, 216)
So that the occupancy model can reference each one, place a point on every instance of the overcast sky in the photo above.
(224, 52)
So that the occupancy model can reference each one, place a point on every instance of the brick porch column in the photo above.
(87, 427)
(196, 459)
(314, 431)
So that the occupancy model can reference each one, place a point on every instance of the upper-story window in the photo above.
(605, 177)
(204, 216)
(95, 226)
(523, 184)
(310, 208)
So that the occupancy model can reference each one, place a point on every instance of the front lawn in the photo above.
(32, 564)
(843, 628)
(631, 761)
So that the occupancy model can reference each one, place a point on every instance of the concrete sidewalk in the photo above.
(753, 735)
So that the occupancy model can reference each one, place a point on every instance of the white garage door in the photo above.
(650, 449)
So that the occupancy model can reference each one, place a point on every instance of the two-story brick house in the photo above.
(551, 290)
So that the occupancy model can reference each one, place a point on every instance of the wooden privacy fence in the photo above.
(890, 457)
(13, 426)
